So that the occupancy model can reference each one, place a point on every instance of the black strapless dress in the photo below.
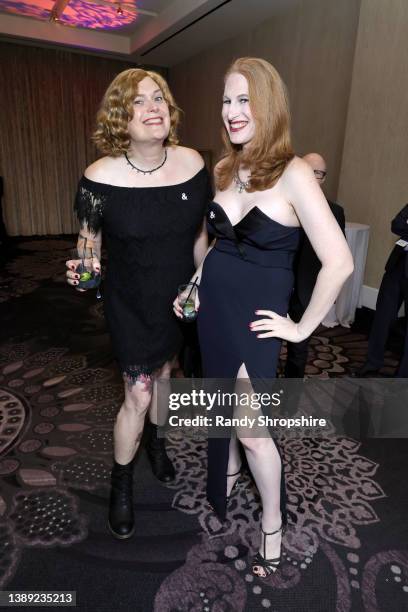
(250, 268)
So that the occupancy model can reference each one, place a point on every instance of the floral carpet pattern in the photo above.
(346, 546)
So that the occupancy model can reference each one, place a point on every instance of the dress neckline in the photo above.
(257, 210)
(110, 186)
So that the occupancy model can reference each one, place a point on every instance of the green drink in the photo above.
(83, 258)
(189, 311)
(88, 278)
(187, 300)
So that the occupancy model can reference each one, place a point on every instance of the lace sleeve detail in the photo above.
(89, 208)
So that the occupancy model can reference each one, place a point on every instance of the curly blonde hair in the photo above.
(111, 135)
(270, 150)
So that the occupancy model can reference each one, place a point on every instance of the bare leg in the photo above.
(127, 434)
(158, 413)
(266, 467)
(129, 424)
(234, 464)
(162, 467)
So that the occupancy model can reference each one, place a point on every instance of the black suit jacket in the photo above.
(307, 264)
(399, 226)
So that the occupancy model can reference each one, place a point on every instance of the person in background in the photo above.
(392, 293)
(307, 266)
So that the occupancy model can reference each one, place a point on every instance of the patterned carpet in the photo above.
(347, 543)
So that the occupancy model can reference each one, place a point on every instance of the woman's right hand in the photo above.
(73, 276)
(178, 308)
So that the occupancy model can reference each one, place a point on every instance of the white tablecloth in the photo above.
(343, 311)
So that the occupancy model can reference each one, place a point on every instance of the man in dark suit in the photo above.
(393, 291)
(307, 268)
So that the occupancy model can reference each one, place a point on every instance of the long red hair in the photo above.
(270, 150)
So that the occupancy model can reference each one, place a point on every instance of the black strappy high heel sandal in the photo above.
(235, 485)
(261, 566)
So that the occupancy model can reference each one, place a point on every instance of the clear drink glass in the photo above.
(187, 298)
(83, 257)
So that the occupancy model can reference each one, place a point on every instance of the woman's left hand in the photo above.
(275, 326)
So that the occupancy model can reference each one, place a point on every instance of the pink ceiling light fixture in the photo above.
(57, 10)
(97, 14)
(85, 14)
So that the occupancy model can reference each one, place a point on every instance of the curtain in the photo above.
(48, 103)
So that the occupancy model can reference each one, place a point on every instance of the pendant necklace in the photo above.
(144, 172)
(241, 185)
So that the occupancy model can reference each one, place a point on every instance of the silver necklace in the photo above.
(147, 171)
(241, 185)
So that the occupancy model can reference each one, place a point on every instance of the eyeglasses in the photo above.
(320, 173)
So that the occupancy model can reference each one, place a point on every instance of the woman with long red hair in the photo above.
(265, 196)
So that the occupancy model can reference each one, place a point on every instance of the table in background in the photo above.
(343, 311)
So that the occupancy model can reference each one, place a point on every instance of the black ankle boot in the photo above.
(162, 467)
(121, 520)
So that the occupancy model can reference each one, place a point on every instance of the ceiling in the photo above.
(155, 32)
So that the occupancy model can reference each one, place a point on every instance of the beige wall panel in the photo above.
(373, 181)
(311, 43)
(198, 87)
(48, 102)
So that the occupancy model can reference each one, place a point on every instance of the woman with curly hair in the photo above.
(147, 196)
(265, 196)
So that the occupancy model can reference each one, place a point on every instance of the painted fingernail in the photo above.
(75, 282)
(76, 276)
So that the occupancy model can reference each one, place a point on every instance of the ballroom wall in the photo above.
(345, 64)
(374, 177)
(346, 68)
(311, 43)
(48, 101)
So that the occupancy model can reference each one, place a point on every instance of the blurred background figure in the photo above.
(3, 231)
(393, 291)
(307, 266)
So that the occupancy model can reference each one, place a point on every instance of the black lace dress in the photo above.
(149, 234)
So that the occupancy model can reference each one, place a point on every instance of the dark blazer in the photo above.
(399, 226)
(307, 264)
